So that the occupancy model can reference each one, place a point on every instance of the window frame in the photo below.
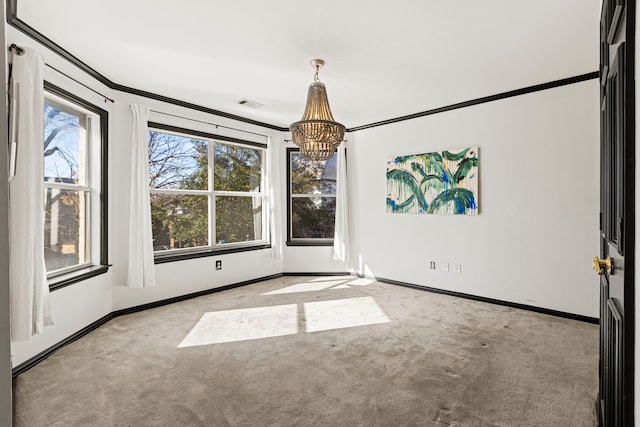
(299, 241)
(98, 214)
(214, 249)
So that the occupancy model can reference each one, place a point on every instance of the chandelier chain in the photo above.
(316, 78)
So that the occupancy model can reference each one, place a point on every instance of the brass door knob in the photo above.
(599, 264)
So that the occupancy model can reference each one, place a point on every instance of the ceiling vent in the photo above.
(249, 103)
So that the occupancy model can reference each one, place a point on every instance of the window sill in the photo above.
(181, 256)
(310, 242)
(64, 280)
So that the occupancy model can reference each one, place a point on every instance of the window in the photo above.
(311, 199)
(207, 192)
(74, 184)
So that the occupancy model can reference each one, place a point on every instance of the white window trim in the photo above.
(211, 194)
(91, 186)
(306, 241)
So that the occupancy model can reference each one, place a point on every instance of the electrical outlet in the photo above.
(432, 265)
(219, 264)
(458, 269)
(445, 267)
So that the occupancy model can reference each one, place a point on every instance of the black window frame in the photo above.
(67, 278)
(297, 241)
(208, 251)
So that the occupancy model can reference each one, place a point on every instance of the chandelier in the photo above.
(317, 133)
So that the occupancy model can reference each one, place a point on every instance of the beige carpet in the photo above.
(320, 351)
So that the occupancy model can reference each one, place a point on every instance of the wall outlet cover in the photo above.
(432, 265)
(445, 266)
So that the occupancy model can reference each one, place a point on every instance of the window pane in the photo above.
(179, 221)
(313, 217)
(238, 219)
(236, 168)
(65, 229)
(177, 162)
(313, 177)
(65, 148)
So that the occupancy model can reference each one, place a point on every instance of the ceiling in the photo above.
(384, 58)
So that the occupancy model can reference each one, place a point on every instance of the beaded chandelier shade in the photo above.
(317, 133)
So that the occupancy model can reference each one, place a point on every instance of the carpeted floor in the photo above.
(320, 351)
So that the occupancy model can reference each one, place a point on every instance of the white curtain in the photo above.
(30, 309)
(276, 201)
(341, 236)
(141, 269)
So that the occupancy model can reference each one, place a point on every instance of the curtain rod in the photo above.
(20, 51)
(209, 123)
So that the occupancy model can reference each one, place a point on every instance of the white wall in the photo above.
(73, 308)
(312, 259)
(184, 277)
(537, 229)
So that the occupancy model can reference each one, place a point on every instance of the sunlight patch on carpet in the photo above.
(329, 279)
(343, 313)
(355, 282)
(306, 287)
(360, 282)
(243, 324)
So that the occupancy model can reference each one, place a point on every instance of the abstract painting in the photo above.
(443, 182)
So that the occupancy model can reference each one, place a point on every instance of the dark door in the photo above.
(617, 192)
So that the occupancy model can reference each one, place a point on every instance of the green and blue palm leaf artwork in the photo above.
(443, 182)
